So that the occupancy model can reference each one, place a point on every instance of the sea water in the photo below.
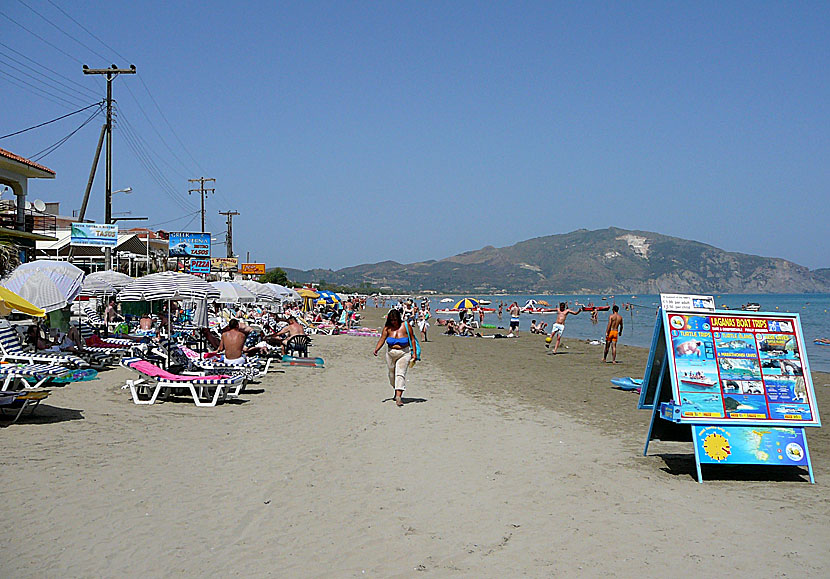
(814, 310)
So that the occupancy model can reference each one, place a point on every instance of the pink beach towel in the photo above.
(151, 369)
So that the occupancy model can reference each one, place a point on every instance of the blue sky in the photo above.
(347, 133)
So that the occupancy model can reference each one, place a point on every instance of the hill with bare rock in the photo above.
(603, 261)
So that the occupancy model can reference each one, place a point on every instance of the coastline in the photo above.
(503, 461)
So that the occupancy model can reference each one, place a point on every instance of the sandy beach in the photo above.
(503, 461)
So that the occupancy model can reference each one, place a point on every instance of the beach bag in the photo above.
(416, 345)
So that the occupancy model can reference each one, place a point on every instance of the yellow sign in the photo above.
(224, 263)
(252, 269)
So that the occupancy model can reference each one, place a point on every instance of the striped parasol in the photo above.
(168, 285)
(105, 283)
(262, 292)
(466, 304)
(233, 293)
(49, 285)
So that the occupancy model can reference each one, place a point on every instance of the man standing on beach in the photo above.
(514, 318)
(559, 327)
(612, 334)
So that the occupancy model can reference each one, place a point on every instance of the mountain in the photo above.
(603, 261)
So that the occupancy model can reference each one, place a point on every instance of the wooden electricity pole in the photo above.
(201, 191)
(111, 73)
(229, 239)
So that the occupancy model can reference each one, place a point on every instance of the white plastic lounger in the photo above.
(12, 373)
(10, 349)
(157, 379)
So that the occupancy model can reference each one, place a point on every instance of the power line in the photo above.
(38, 156)
(47, 95)
(192, 215)
(62, 31)
(39, 65)
(85, 29)
(74, 94)
(50, 122)
(36, 35)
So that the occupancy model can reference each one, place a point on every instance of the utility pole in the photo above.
(111, 73)
(229, 239)
(201, 191)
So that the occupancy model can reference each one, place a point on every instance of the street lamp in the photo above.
(108, 220)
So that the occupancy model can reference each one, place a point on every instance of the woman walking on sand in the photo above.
(399, 339)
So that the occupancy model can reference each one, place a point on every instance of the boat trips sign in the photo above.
(183, 244)
(729, 367)
(94, 234)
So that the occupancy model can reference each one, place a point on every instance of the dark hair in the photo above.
(616, 308)
(393, 316)
(562, 306)
(233, 324)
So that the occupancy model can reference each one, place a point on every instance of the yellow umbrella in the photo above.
(11, 301)
(307, 293)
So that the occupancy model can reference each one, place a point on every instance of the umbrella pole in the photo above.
(169, 335)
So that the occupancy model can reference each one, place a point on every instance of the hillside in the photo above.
(602, 261)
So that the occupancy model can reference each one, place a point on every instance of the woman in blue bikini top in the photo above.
(394, 333)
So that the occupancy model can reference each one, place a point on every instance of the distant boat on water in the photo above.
(751, 307)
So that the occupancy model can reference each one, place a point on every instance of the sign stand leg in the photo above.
(809, 462)
(656, 407)
(697, 457)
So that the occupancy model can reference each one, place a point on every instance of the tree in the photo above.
(8, 257)
(276, 275)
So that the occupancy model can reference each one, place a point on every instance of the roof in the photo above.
(31, 164)
(6, 232)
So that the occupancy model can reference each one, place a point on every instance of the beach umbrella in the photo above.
(329, 296)
(11, 301)
(105, 283)
(280, 290)
(168, 285)
(233, 293)
(49, 285)
(308, 293)
(262, 292)
(466, 304)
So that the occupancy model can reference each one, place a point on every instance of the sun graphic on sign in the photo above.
(716, 447)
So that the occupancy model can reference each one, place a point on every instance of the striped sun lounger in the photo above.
(11, 350)
(154, 379)
(12, 373)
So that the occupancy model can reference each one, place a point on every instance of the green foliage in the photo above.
(8, 257)
(276, 275)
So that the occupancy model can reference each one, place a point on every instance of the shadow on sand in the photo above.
(683, 465)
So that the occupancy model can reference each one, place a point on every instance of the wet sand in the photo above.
(504, 461)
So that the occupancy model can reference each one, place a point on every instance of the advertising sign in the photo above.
(183, 244)
(687, 303)
(95, 234)
(224, 263)
(199, 265)
(252, 269)
(770, 446)
(739, 368)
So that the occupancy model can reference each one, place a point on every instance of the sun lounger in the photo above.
(11, 350)
(13, 373)
(252, 369)
(20, 401)
(154, 380)
(87, 331)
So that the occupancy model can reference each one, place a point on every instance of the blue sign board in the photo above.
(183, 244)
(94, 234)
(764, 445)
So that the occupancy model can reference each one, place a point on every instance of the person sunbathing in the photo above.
(232, 343)
(294, 328)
